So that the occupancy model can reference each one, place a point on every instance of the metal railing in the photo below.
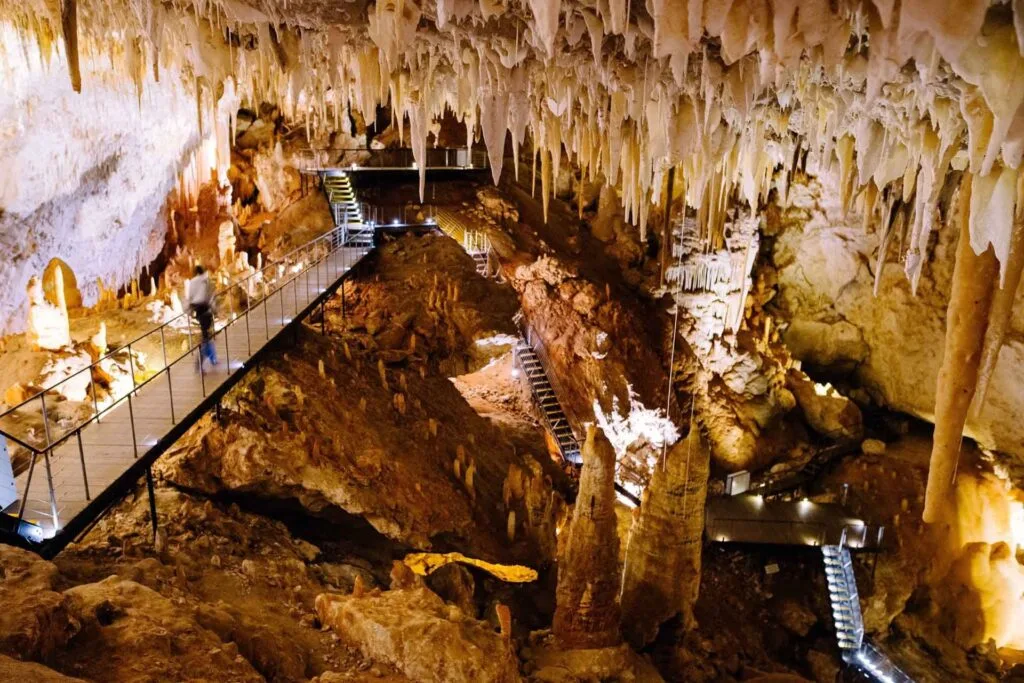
(237, 300)
(314, 160)
(400, 214)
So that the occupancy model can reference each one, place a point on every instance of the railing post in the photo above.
(28, 486)
(266, 316)
(49, 483)
(227, 349)
(170, 388)
(131, 419)
(202, 372)
(248, 335)
(131, 366)
(46, 420)
(95, 398)
(81, 456)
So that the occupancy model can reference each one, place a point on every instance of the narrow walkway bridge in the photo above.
(392, 159)
(77, 469)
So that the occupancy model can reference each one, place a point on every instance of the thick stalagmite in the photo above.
(587, 609)
(661, 577)
(966, 320)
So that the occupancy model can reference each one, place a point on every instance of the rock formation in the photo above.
(413, 629)
(661, 575)
(587, 612)
(966, 319)
(48, 325)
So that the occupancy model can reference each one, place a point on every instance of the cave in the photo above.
(512, 340)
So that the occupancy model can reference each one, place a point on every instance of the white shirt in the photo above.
(200, 291)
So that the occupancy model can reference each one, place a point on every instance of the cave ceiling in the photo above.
(897, 97)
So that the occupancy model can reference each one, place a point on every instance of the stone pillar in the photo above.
(587, 609)
(661, 577)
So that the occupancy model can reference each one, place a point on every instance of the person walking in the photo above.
(201, 305)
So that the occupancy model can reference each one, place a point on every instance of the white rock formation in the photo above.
(894, 342)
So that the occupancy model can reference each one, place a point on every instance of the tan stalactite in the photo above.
(587, 608)
(1002, 304)
(966, 320)
(69, 25)
(661, 577)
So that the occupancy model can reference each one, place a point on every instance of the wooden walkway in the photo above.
(91, 461)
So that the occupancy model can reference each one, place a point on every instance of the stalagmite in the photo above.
(966, 319)
(587, 608)
(48, 325)
(661, 576)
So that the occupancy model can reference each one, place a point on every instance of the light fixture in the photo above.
(394, 222)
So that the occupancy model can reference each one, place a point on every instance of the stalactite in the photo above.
(661, 576)
(1002, 305)
(69, 26)
(587, 609)
(966, 319)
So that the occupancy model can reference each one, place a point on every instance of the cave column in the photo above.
(661, 576)
(587, 608)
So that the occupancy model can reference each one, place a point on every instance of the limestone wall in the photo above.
(893, 343)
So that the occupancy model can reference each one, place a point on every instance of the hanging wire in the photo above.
(675, 333)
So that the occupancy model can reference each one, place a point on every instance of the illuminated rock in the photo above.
(59, 276)
(413, 630)
(48, 325)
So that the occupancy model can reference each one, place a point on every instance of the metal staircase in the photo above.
(842, 592)
(481, 258)
(544, 394)
(347, 212)
(860, 655)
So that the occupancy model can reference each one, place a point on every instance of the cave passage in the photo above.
(552, 340)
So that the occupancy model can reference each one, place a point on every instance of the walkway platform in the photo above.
(391, 159)
(78, 472)
(752, 519)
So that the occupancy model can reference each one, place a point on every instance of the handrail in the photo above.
(239, 283)
(185, 314)
(315, 158)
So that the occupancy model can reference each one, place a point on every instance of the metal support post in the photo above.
(53, 495)
(131, 418)
(170, 388)
(28, 485)
(227, 350)
(81, 456)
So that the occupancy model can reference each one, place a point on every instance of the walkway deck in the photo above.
(752, 519)
(79, 470)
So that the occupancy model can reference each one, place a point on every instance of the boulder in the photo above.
(35, 621)
(416, 632)
(130, 632)
(827, 411)
(14, 670)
